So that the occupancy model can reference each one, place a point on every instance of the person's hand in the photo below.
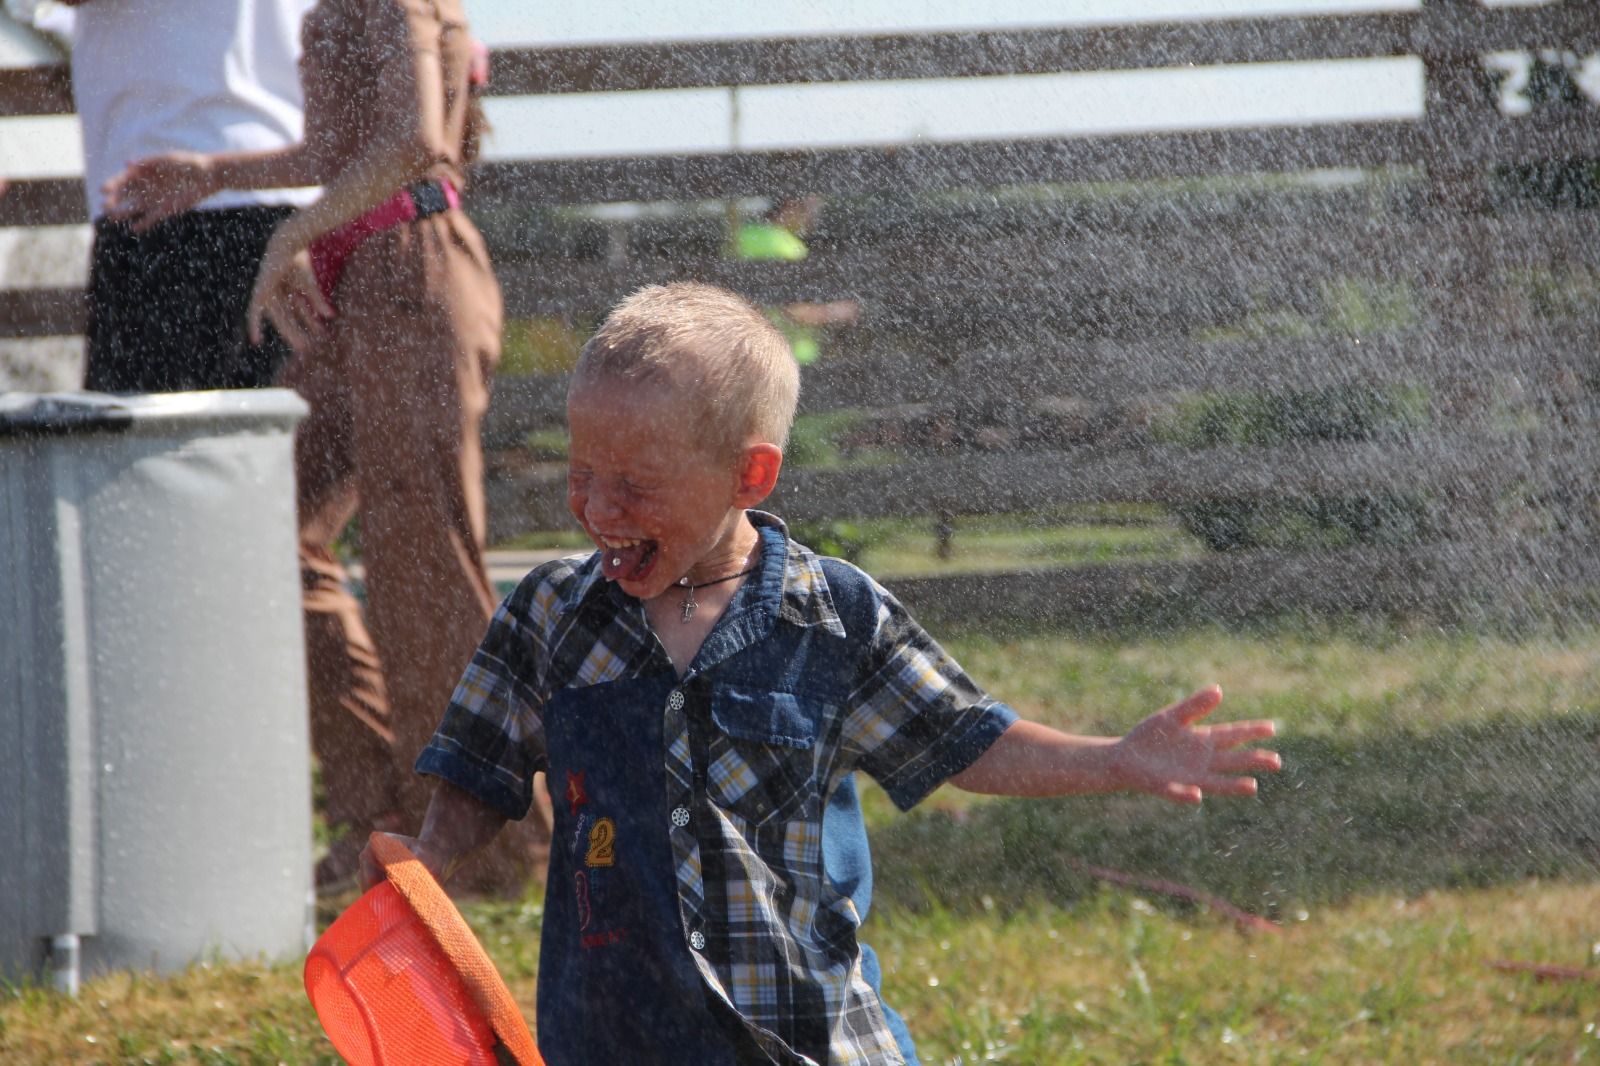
(1169, 755)
(154, 189)
(372, 872)
(287, 294)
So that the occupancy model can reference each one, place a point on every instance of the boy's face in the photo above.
(655, 499)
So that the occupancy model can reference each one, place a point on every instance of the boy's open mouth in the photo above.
(630, 563)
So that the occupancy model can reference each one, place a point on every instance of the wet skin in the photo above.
(660, 504)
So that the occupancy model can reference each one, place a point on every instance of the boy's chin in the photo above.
(646, 591)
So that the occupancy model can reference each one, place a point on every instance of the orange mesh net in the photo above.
(399, 978)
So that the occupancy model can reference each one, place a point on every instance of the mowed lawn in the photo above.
(1434, 835)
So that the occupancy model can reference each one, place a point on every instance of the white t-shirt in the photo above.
(153, 76)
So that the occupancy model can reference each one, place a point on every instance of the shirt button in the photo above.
(680, 816)
(675, 701)
(697, 940)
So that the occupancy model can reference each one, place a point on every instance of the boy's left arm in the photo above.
(1167, 754)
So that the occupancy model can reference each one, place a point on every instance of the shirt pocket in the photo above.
(763, 754)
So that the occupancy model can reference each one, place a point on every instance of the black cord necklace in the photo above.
(688, 605)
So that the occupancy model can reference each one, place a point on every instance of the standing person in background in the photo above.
(385, 291)
(167, 302)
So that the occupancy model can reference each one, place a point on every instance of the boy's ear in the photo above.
(758, 474)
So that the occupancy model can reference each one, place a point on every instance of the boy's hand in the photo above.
(1170, 756)
(372, 872)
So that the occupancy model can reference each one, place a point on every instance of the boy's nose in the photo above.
(600, 507)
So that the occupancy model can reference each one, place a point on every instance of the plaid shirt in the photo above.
(783, 701)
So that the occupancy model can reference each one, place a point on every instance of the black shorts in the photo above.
(167, 307)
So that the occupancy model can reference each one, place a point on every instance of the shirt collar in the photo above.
(792, 584)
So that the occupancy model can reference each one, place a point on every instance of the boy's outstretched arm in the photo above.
(1167, 754)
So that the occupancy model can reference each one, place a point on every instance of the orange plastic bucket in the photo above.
(399, 978)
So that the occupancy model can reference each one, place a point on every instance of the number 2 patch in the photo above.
(602, 844)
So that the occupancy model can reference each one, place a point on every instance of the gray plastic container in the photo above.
(155, 794)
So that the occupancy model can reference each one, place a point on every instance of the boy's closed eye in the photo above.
(622, 488)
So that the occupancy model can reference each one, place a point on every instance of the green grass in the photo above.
(909, 547)
(1317, 678)
(1414, 760)
(1439, 810)
(1114, 979)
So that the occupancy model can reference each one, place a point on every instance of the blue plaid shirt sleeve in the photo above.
(917, 719)
(491, 740)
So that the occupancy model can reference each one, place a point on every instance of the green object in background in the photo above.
(765, 242)
(802, 339)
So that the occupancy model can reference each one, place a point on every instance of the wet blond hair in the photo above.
(715, 349)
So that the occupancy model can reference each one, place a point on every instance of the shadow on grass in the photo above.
(1469, 806)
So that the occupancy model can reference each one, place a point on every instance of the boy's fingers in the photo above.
(1253, 760)
(1182, 793)
(1215, 785)
(1197, 706)
(1232, 734)
(1232, 786)
(371, 873)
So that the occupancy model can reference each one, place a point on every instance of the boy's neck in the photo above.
(734, 552)
(682, 629)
